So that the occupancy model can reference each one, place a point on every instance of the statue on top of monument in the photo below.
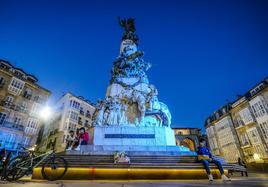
(129, 27)
(130, 61)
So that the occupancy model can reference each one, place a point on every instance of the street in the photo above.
(256, 180)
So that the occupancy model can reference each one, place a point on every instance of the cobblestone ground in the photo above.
(256, 180)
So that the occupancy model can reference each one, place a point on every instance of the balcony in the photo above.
(27, 96)
(7, 104)
(21, 109)
(13, 126)
(245, 145)
(239, 124)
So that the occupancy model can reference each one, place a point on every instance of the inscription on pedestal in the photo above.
(149, 136)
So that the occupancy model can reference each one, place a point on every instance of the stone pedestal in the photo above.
(134, 136)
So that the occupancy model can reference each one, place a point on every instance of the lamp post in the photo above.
(44, 115)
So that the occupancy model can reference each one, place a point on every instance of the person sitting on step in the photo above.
(205, 157)
(83, 138)
(71, 140)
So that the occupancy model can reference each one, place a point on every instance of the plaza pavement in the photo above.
(255, 180)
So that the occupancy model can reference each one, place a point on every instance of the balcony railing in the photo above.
(245, 144)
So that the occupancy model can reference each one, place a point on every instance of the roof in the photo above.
(80, 98)
(236, 102)
(19, 69)
(27, 74)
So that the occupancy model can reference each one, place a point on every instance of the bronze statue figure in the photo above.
(127, 24)
(129, 27)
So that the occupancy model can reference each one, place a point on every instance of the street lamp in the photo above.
(45, 113)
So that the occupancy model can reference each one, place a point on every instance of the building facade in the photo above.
(222, 136)
(21, 100)
(188, 137)
(248, 116)
(69, 113)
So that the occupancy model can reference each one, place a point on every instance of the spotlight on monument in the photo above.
(45, 113)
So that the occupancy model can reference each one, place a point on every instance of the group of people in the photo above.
(204, 155)
(75, 140)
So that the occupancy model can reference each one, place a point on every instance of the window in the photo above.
(2, 81)
(81, 111)
(32, 126)
(2, 118)
(246, 116)
(17, 122)
(27, 93)
(9, 100)
(264, 129)
(88, 114)
(16, 86)
(258, 106)
(23, 106)
(244, 139)
(74, 115)
(80, 120)
(253, 135)
(75, 104)
(36, 108)
(72, 126)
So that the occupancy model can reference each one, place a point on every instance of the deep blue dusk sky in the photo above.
(203, 52)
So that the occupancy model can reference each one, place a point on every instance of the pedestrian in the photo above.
(242, 163)
(205, 157)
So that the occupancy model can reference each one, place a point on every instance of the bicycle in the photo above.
(53, 167)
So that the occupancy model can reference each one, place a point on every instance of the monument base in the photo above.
(133, 150)
(130, 135)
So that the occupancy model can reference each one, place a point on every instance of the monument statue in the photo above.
(131, 117)
(130, 99)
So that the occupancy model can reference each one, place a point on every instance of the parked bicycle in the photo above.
(53, 168)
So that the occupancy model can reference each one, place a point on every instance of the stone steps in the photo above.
(90, 167)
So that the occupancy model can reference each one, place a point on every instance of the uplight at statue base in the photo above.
(130, 174)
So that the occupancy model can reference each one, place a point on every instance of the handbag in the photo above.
(203, 157)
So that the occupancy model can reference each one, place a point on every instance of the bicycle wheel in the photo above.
(54, 168)
(17, 168)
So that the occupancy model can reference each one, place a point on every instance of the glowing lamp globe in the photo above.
(45, 113)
